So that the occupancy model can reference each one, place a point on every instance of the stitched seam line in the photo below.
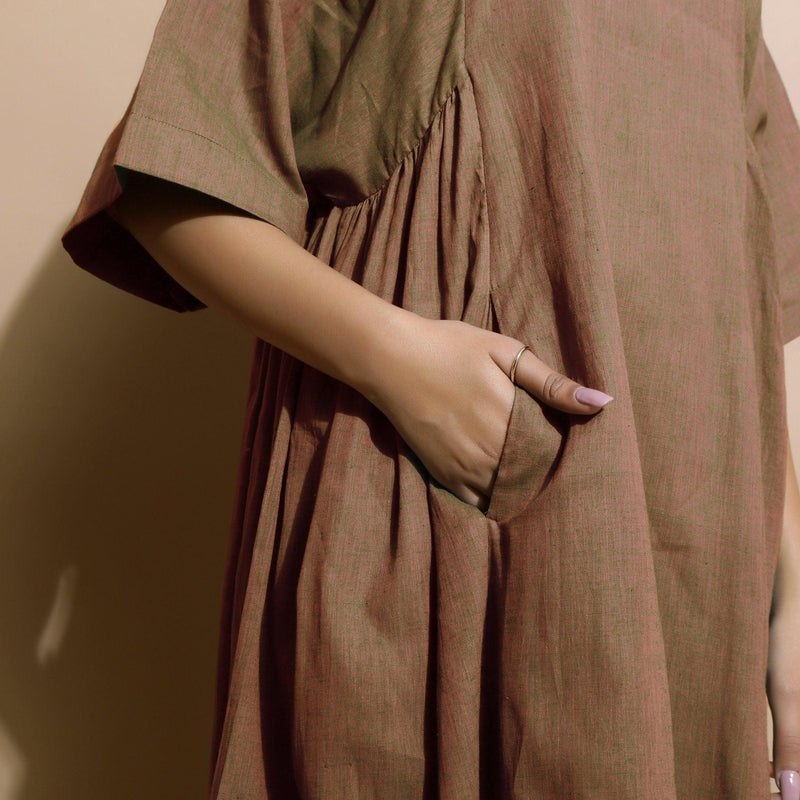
(188, 130)
(412, 150)
(425, 135)
(482, 152)
(237, 156)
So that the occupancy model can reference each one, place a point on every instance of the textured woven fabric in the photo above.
(614, 182)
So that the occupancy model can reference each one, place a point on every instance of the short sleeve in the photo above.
(776, 136)
(211, 112)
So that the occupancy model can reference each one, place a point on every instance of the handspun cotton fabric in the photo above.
(615, 183)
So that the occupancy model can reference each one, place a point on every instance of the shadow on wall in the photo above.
(120, 426)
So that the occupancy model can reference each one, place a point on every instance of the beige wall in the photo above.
(119, 437)
(781, 22)
(119, 434)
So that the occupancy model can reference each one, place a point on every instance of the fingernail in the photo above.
(789, 784)
(592, 397)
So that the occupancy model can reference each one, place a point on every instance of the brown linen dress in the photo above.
(614, 182)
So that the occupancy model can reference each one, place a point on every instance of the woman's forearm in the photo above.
(272, 286)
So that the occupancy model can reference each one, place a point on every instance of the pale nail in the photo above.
(592, 397)
(789, 784)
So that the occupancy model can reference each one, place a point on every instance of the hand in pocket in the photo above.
(446, 389)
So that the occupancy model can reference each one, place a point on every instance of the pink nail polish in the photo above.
(592, 397)
(789, 784)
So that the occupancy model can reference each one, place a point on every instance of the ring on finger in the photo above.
(512, 373)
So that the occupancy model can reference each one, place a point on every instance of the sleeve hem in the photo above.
(158, 148)
(98, 243)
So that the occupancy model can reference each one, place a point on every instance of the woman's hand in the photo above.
(783, 673)
(783, 688)
(445, 387)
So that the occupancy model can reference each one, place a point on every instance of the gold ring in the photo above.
(512, 373)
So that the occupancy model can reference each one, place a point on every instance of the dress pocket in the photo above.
(534, 439)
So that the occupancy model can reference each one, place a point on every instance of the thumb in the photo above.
(555, 389)
(786, 748)
(783, 692)
(788, 781)
(786, 745)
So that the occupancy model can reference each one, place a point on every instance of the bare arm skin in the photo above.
(442, 384)
(783, 678)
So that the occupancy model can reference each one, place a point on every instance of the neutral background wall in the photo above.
(119, 436)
